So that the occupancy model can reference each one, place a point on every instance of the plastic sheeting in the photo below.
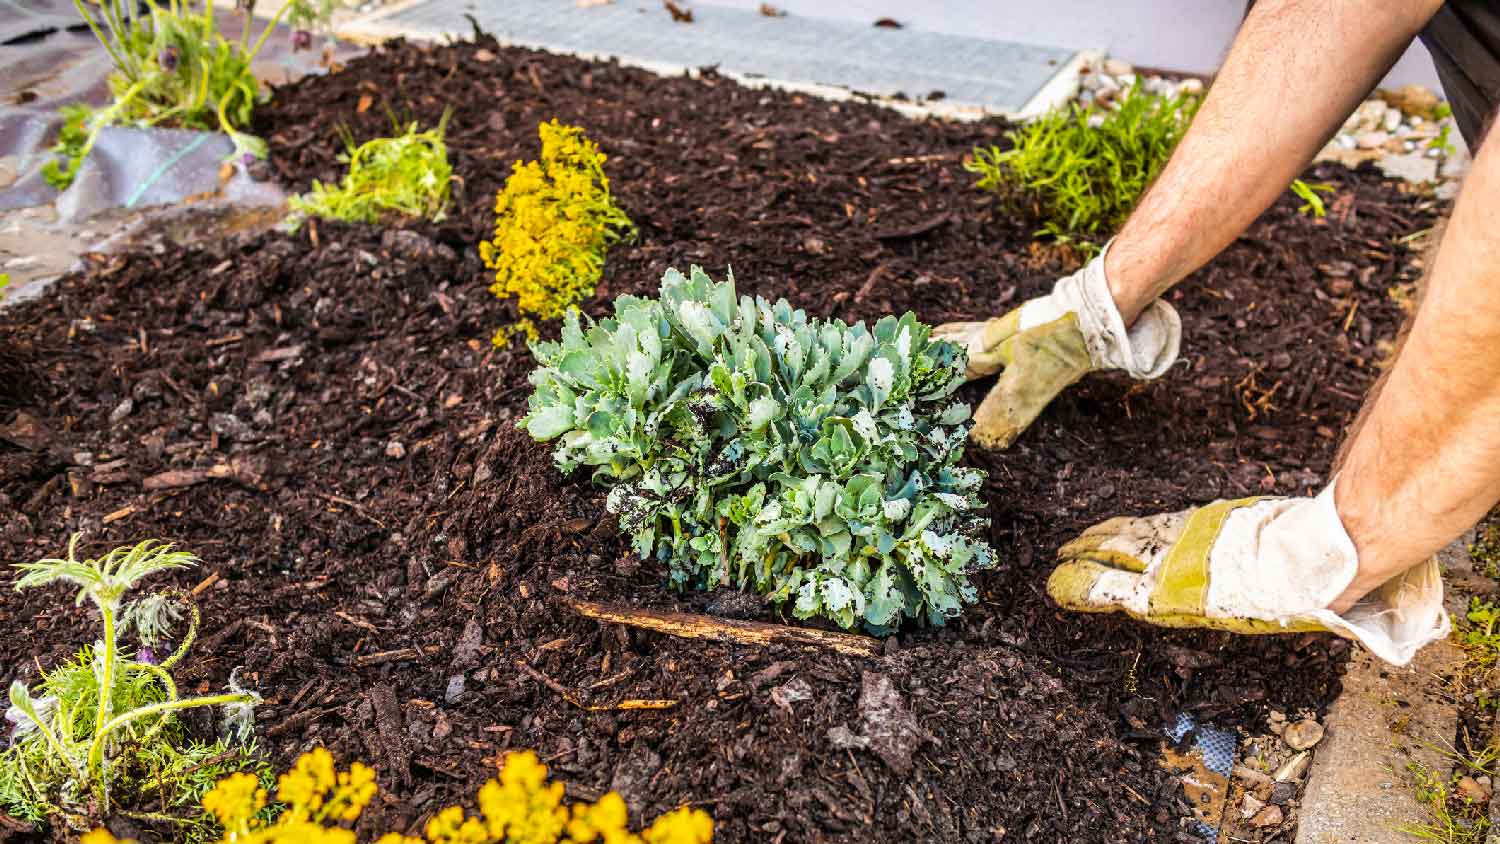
(47, 60)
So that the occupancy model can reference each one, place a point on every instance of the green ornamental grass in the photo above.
(404, 176)
(1080, 180)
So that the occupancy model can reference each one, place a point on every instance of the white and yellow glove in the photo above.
(1052, 341)
(1253, 565)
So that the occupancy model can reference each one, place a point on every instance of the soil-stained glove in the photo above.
(1052, 341)
(1253, 565)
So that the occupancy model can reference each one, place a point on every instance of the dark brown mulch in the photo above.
(394, 549)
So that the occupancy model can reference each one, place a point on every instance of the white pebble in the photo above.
(1191, 86)
(1094, 81)
(1117, 67)
(1391, 120)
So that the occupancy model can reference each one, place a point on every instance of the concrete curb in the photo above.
(1358, 790)
(380, 25)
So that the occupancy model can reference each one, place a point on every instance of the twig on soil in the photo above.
(204, 585)
(922, 159)
(246, 471)
(127, 510)
(916, 230)
(548, 682)
(562, 691)
(352, 506)
(297, 720)
(691, 626)
(397, 655)
(871, 280)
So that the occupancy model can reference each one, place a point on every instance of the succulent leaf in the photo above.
(747, 444)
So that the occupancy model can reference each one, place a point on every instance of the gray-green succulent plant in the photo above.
(749, 445)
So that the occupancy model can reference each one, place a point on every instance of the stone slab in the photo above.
(1359, 791)
(832, 58)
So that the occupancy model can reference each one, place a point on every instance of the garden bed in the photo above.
(390, 560)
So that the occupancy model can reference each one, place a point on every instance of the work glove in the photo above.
(1253, 565)
(1052, 341)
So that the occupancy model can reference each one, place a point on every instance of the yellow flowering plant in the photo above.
(520, 807)
(554, 221)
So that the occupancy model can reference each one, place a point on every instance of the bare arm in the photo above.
(1423, 464)
(1295, 72)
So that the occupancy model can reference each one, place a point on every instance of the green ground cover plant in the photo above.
(172, 68)
(103, 725)
(554, 221)
(407, 175)
(749, 445)
(1081, 178)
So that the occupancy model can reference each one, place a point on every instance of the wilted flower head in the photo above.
(152, 617)
(301, 39)
(21, 723)
(167, 59)
(239, 717)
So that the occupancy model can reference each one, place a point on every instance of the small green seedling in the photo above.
(1443, 141)
(404, 176)
(1312, 204)
(103, 724)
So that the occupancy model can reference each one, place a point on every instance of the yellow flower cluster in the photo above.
(521, 807)
(554, 221)
(316, 795)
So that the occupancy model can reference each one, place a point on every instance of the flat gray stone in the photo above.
(1358, 791)
(816, 55)
(1414, 167)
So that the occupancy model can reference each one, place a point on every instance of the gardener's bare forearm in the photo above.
(1424, 462)
(1295, 72)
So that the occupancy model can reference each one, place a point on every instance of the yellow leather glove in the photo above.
(1252, 565)
(1052, 341)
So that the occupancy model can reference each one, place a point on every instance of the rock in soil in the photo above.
(1303, 734)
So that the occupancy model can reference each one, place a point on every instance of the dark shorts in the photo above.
(1464, 39)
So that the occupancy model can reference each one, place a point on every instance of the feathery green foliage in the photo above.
(104, 724)
(1081, 180)
(750, 445)
(407, 175)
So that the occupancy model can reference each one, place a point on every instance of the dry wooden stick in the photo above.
(562, 691)
(691, 626)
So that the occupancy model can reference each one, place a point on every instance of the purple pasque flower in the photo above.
(301, 40)
(147, 654)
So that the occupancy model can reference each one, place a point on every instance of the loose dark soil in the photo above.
(389, 548)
